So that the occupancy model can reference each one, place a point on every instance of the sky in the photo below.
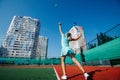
(94, 16)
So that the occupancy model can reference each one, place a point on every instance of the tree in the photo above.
(103, 38)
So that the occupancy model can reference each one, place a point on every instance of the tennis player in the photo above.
(67, 51)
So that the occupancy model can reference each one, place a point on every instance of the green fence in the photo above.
(20, 61)
(107, 51)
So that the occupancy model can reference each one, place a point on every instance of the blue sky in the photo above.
(94, 15)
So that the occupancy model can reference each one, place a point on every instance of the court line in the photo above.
(56, 73)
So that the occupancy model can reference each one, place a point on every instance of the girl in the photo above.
(67, 51)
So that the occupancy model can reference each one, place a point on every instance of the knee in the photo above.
(74, 59)
(63, 60)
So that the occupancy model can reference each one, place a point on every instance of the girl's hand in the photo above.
(59, 23)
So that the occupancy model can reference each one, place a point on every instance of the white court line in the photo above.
(56, 73)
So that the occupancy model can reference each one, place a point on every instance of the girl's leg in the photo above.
(76, 62)
(80, 66)
(63, 64)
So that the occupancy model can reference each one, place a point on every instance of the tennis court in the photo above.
(95, 72)
(31, 72)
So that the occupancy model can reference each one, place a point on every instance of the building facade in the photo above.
(22, 37)
(42, 48)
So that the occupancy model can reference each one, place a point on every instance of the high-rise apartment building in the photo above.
(22, 38)
(42, 48)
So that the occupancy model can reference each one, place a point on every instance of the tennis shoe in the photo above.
(86, 76)
(64, 77)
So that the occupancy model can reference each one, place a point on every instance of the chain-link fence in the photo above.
(104, 37)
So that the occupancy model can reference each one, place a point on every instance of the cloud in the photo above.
(55, 5)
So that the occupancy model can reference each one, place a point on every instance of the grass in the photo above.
(27, 74)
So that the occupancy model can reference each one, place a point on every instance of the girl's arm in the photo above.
(60, 28)
(75, 39)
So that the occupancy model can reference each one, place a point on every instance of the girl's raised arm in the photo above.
(60, 28)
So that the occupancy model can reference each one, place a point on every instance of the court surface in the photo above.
(95, 72)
